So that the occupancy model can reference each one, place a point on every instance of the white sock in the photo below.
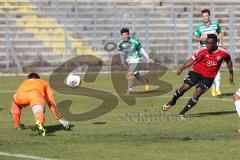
(217, 80)
(130, 84)
(237, 104)
(213, 85)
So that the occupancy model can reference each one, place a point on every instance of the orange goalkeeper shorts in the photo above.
(29, 98)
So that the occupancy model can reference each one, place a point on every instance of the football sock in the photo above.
(237, 104)
(130, 84)
(189, 105)
(140, 78)
(213, 85)
(217, 81)
(175, 97)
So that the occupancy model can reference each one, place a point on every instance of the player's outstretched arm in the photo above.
(145, 54)
(187, 64)
(59, 117)
(220, 37)
(53, 107)
(230, 68)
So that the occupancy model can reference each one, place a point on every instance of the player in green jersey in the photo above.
(132, 53)
(209, 27)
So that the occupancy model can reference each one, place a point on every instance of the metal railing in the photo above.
(10, 49)
(141, 23)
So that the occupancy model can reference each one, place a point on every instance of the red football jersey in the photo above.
(208, 64)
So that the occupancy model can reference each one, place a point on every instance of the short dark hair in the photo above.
(33, 75)
(124, 30)
(206, 11)
(213, 36)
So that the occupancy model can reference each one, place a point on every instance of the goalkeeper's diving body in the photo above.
(35, 92)
(132, 53)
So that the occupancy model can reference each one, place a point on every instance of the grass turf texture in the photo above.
(209, 134)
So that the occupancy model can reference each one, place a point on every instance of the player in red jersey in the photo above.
(206, 63)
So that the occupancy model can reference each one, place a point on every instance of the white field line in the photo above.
(6, 154)
(7, 91)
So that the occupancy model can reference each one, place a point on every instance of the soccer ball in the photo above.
(73, 80)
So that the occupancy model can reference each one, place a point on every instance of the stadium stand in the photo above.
(41, 32)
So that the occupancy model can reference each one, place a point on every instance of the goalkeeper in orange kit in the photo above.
(35, 92)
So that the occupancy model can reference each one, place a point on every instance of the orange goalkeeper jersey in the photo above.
(37, 85)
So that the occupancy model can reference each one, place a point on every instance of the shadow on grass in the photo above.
(225, 95)
(135, 93)
(50, 129)
(54, 128)
(204, 114)
(99, 122)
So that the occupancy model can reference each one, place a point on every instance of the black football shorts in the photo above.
(193, 78)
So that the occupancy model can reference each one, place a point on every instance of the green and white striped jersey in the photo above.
(130, 49)
(212, 28)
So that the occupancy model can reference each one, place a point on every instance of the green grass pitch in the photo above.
(209, 134)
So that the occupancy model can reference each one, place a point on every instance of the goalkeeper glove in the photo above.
(64, 123)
